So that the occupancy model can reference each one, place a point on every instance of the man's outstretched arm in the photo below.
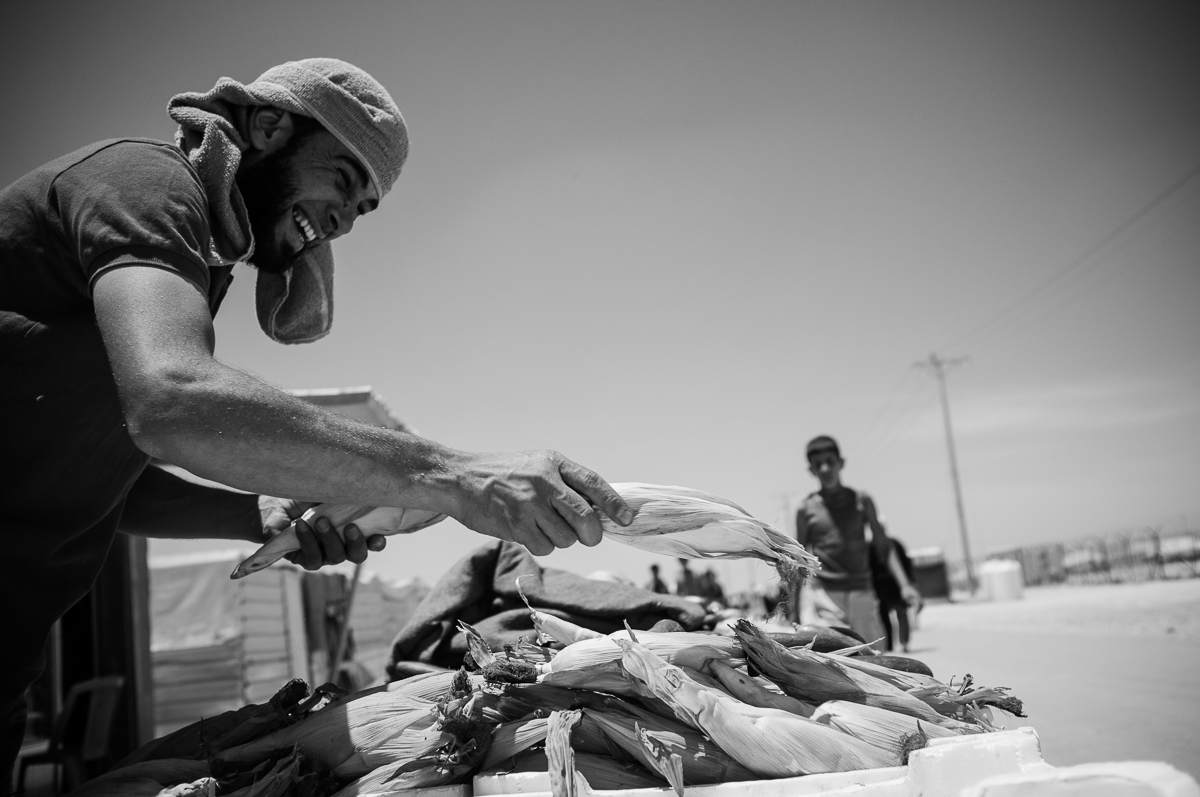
(187, 408)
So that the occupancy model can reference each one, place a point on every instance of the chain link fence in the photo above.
(1117, 558)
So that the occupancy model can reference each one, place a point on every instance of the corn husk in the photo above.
(393, 781)
(602, 676)
(816, 678)
(336, 733)
(371, 520)
(890, 730)
(691, 524)
(555, 629)
(701, 761)
(560, 756)
(667, 764)
(430, 686)
(939, 696)
(510, 739)
(905, 681)
(420, 739)
(513, 738)
(768, 742)
(680, 648)
(750, 691)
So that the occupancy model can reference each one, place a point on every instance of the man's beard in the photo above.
(267, 188)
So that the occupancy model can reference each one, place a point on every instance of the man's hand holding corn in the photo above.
(539, 499)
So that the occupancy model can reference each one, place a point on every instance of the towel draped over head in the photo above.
(297, 305)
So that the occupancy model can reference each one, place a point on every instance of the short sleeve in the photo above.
(135, 203)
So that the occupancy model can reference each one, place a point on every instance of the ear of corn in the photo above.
(334, 734)
(371, 520)
(514, 738)
(747, 690)
(900, 679)
(392, 781)
(418, 740)
(816, 678)
(692, 524)
(680, 648)
(604, 676)
(701, 761)
(769, 742)
(554, 628)
(878, 726)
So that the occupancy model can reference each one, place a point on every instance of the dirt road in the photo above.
(1107, 673)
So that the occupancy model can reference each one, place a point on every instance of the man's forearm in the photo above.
(237, 430)
(161, 504)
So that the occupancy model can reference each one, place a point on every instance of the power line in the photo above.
(860, 443)
(1030, 315)
(1062, 272)
(903, 421)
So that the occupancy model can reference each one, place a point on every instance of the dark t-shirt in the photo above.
(887, 588)
(66, 460)
(833, 527)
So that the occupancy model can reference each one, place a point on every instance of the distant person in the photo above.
(832, 524)
(710, 587)
(891, 601)
(656, 583)
(686, 583)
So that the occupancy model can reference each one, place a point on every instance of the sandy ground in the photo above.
(1107, 673)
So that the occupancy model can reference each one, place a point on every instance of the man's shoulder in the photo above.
(130, 156)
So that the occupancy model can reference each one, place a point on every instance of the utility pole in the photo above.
(938, 366)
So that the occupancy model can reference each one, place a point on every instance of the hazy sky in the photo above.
(675, 240)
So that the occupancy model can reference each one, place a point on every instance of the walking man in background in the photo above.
(891, 601)
(832, 524)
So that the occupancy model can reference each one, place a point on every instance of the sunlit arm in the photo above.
(184, 407)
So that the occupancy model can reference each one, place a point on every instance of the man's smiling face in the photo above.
(303, 189)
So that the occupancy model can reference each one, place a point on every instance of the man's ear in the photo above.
(269, 128)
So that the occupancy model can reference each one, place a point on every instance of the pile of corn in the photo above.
(627, 710)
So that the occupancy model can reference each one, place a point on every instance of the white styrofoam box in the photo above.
(1110, 779)
(1001, 580)
(463, 790)
(943, 769)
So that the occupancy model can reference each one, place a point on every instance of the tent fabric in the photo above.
(192, 603)
(480, 589)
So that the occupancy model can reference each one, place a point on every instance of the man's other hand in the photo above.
(319, 546)
(539, 499)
